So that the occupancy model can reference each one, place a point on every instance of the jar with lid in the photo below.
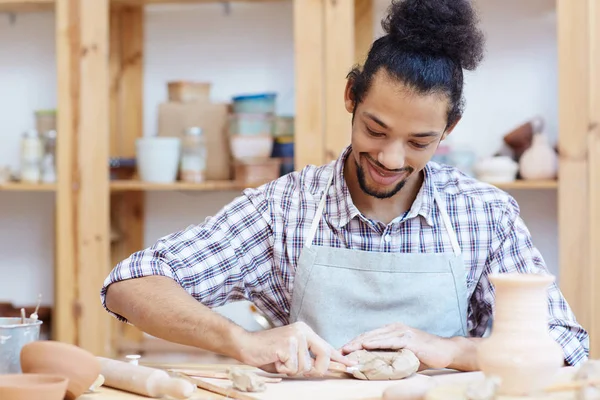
(31, 156)
(193, 155)
(48, 164)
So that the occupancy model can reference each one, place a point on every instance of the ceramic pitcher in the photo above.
(540, 160)
(520, 350)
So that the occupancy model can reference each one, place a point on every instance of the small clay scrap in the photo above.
(589, 371)
(484, 389)
(246, 381)
(384, 365)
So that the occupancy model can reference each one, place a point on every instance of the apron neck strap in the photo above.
(441, 205)
(446, 219)
(319, 214)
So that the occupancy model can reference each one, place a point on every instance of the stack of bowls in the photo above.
(251, 140)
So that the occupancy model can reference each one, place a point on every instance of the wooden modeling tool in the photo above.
(23, 316)
(34, 316)
(194, 373)
(150, 382)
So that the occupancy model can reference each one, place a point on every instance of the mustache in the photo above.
(381, 166)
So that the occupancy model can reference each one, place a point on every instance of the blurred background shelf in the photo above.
(135, 185)
(526, 185)
(26, 5)
(27, 187)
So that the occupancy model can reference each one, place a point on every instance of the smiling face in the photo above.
(395, 133)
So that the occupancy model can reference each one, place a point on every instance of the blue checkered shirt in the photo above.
(249, 249)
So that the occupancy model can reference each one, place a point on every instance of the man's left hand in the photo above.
(432, 351)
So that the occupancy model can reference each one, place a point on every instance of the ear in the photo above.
(450, 129)
(349, 97)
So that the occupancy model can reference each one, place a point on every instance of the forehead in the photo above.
(400, 106)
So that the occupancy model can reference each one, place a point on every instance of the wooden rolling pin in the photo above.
(150, 382)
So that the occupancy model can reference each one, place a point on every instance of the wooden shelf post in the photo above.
(126, 125)
(83, 189)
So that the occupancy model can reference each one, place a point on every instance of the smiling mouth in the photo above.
(384, 177)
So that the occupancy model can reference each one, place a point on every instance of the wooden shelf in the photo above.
(133, 185)
(26, 5)
(48, 5)
(528, 185)
(27, 187)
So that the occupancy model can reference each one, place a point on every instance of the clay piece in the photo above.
(32, 386)
(589, 371)
(384, 365)
(246, 381)
(484, 389)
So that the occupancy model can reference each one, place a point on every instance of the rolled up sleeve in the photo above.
(226, 258)
(512, 250)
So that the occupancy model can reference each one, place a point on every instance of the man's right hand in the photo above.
(285, 350)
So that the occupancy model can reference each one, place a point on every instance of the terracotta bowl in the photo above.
(32, 386)
(79, 366)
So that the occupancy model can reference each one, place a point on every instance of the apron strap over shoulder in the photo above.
(319, 214)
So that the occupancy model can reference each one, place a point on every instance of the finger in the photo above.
(288, 361)
(393, 343)
(304, 362)
(336, 355)
(356, 343)
(322, 352)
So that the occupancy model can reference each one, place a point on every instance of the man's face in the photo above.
(394, 134)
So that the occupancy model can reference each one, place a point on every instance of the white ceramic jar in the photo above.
(158, 158)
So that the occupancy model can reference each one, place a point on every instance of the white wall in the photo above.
(251, 49)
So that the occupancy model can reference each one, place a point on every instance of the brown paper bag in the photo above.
(174, 118)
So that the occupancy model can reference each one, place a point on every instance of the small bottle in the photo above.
(48, 165)
(31, 156)
(193, 156)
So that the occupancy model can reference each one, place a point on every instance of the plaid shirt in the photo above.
(249, 250)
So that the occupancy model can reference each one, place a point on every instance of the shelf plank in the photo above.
(528, 185)
(26, 5)
(27, 187)
(151, 2)
(132, 185)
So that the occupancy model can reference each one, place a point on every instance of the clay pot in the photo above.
(520, 350)
(539, 161)
(79, 366)
(32, 386)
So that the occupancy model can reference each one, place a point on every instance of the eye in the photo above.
(419, 145)
(374, 134)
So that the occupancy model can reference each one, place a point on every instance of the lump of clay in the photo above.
(246, 381)
(484, 389)
(384, 365)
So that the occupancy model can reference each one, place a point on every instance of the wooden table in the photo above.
(297, 388)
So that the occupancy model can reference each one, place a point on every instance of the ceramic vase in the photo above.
(540, 160)
(520, 350)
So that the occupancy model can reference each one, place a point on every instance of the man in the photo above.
(381, 249)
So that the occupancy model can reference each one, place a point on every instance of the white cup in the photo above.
(158, 158)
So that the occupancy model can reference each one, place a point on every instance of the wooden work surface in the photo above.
(330, 389)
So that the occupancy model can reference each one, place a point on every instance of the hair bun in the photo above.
(437, 27)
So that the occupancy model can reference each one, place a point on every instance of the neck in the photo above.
(384, 210)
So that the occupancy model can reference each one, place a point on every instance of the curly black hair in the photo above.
(427, 45)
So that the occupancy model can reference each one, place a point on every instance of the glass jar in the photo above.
(193, 156)
(31, 156)
(48, 165)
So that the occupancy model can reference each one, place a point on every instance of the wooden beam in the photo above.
(339, 58)
(573, 65)
(363, 29)
(126, 120)
(65, 277)
(92, 200)
(593, 182)
(309, 80)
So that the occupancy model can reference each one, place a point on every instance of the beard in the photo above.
(381, 193)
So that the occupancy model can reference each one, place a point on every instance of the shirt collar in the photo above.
(346, 210)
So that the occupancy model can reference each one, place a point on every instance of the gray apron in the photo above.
(341, 293)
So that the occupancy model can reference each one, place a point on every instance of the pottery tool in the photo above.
(150, 382)
(34, 316)
(229, 393)
(194, 373)
(23, 317)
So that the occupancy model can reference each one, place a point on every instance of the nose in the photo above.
(392, 156)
